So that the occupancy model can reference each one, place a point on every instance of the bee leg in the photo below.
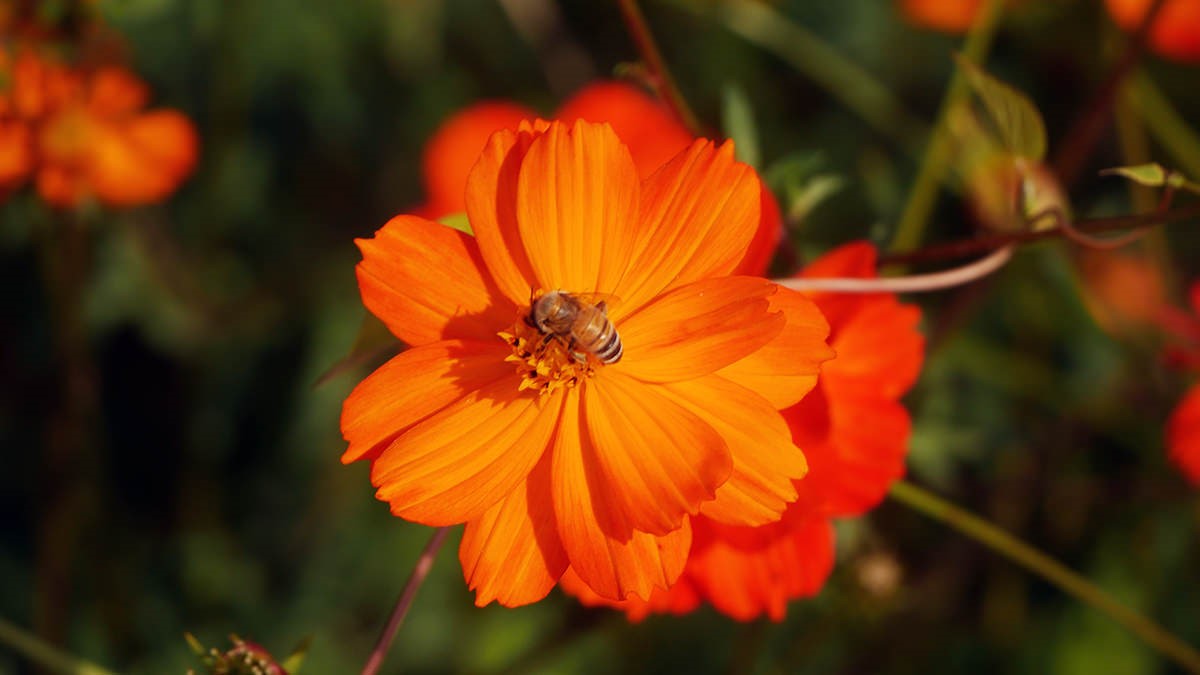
(603, 307)
(529, 317)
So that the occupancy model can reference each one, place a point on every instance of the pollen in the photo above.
(543, 362)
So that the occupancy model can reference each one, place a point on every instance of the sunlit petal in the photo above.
(427, 282)
(512, 553)
(699, 328)
(413, 386)
(451, 467)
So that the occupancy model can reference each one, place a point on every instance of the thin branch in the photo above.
(1077, 147)
(913, 283)
(404, 602)
(970, 247)
(1061, 576)
(45, 654)
(661, 78)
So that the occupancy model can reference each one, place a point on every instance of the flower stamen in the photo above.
(543, 361)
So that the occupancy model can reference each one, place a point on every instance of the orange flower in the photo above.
(85, 136)
(644, 125)
(744, 572)
(1176, 30)
(1183, 427)
(855, 435)
(948, 16)
(551, 457)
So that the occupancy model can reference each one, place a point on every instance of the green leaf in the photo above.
(294, 660)
(738, 118)
(1016, 121)
(458, 221)
(1153, 175)
(1150, 175)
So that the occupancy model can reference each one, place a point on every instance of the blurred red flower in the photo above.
(1176, 31)
(1183, 426)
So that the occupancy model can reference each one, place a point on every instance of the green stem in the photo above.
(853, 86)
(1165, 123)
(1134, 141)
(44, 655)
(923, 196)
(639, 30)
(1049, 569)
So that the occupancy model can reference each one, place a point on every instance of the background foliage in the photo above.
(210, 498)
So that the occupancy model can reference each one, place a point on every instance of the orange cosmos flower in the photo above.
(83, 135)
(1176, 30)
(855, 436)
(644, 125)
(1183, 427)
(553, 458)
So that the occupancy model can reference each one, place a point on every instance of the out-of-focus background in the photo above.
(204, 493)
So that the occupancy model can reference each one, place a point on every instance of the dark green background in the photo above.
(209, 497)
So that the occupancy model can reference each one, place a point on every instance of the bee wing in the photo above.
(601, 301)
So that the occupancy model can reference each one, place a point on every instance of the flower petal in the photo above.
(413, 386)
(657, 460)
(699, 213)
(454, 148)
(1183, 436)
(427, 282)
(16, 153)
(512, 552)
(746, 572)
(644, 124)
(116, 91)
(861, 454)
(879, 347)
(785, 369)
(577, 201)
(681, 598)
(854, 260)
(453, 466)
(613, 568)
(766, 238)
(699, 328)
(141, 160)
(492, 210)
(765, 461)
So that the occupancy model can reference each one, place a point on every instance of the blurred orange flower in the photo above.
(83, 134)
(1125, 292)
(1183, 427)
(1176, 30)
(554, 458)
(948, 16)
(644, 125)
(855, 435)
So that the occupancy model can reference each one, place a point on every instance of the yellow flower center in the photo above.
(544, 362)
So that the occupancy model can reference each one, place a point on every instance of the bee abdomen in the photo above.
(608, 348)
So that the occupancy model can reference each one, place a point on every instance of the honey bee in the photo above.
(584, 327)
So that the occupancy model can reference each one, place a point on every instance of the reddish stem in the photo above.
(404, 602)
(660, 75)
